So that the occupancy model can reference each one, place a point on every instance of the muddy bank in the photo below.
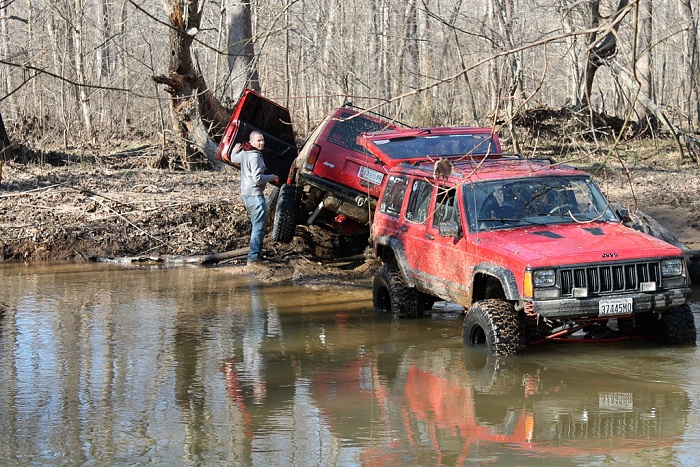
(118, 206)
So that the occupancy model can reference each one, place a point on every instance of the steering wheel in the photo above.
(561, 210)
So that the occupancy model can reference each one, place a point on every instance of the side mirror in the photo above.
(624, 215)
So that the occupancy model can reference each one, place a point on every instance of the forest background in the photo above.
(602, 83)
(86, 73)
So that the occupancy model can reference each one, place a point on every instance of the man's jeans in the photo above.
(257, 210)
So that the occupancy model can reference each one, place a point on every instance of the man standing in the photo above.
(253, 181)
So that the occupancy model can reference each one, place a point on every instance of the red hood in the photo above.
(575, 244)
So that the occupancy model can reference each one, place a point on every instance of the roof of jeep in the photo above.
(493, 168)
(409, 132)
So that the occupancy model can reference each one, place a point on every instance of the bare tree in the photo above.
(643, 64)
(240, 50)
(692, 64)
(192, 104)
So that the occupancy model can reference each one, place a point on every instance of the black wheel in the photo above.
(677, 326)
(391, 295)
(496, 324)
(284, 224)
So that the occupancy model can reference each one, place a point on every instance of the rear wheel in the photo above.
(677, 326)
(284, 224)
(496, 324)
(391, 295)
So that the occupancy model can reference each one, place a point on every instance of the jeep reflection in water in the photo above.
(532, 250)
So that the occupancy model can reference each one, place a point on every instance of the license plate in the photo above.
(616, 400)
(370, 175)
(615, 306)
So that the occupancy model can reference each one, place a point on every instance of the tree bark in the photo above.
(692, 65)
(643, 66)
(241, 53)
(5, 146)
(600, 50)
(191, 99)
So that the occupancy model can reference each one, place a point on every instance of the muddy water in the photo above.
(103, 365)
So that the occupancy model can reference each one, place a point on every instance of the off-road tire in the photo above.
(676, 326)
(284, 224)
(391, 295)
(495, 323)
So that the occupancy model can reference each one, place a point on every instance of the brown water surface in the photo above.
(105, 365)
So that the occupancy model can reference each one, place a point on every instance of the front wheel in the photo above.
(495, 323)
(391, 295)
(677, 326)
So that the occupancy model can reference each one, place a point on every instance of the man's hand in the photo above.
(237, 147)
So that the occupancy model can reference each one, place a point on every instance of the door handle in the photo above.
(403, 228)
(429, 236)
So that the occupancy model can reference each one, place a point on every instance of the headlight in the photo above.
(544, 278)
(672, 267)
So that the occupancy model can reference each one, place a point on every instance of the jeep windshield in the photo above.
(503, 204)
(435, 146)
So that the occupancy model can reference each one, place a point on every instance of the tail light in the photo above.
(313, 157)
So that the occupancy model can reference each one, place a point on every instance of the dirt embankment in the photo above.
(71, 208)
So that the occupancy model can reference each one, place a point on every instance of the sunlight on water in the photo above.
(109, 365)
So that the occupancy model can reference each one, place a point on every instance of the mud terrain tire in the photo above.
(391, 295)
(677, 326)
(284, 224)
(496, 324)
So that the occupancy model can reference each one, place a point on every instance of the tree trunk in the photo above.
(692, 65)
(241, 54)
(600, 50)
(191, 99)
(4, 145)
(643, 66)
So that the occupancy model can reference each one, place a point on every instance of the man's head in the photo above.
(257, 140)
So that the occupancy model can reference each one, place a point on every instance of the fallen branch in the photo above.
(170, 259)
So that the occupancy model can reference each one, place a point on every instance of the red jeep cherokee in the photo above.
(532, 250)
(342, 168)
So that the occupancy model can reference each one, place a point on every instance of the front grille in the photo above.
(610, 277)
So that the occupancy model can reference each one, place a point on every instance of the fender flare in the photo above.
(395, 245)
(504, 275)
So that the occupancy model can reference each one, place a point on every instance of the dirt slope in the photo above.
(73, 208)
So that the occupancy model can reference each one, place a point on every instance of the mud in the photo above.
(118, 206)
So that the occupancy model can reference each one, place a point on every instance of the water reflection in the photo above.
(103, 365)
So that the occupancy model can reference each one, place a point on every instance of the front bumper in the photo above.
(576, 308)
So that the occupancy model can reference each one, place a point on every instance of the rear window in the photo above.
(268, 117)
(437, 146)
(345, 132)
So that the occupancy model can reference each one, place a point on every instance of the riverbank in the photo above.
(117, 206)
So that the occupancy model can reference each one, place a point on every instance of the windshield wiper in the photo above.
(505, 220)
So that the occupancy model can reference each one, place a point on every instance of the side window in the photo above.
(446, 207)
(419, 201)
(393, 196)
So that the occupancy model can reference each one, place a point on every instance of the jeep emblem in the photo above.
(609, 255)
